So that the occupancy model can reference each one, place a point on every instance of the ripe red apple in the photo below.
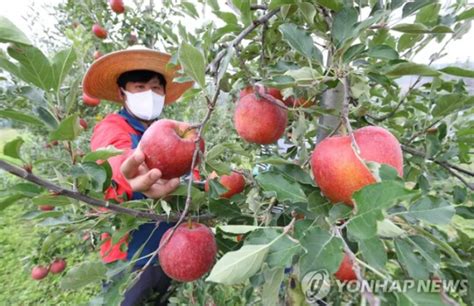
(169, 146)
(234, 183)
(190, 252)
(97, 54)
(46, 207)
(83, 123)
(275, 92)
(339, 172)
(39, 272)
(260, 121)
(58, 266)
(117, 6)
(345, 272)
(90, 101)
(99, 31)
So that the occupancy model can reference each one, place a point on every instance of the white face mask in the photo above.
(145, 105)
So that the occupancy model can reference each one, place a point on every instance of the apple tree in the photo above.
(330, 147)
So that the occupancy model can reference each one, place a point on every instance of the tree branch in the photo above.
(242, 35)
(21, 173)
(448, 166)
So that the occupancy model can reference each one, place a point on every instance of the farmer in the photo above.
(139, 81)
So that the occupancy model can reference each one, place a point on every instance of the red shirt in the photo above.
(114, 130)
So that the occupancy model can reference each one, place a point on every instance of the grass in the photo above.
(18, 240)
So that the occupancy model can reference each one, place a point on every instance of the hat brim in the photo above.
(100, 80)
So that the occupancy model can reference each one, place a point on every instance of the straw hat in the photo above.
(100, 80)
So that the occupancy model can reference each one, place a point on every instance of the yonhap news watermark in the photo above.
(317, 285)
(425, 286)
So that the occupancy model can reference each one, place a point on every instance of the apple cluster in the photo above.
(39, 272)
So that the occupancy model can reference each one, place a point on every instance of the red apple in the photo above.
(97, 54)
(39, 272)
(83, 123)
(99, 31)
(90, 101)
(339, 172)
(345, 272)
(234, 183)
(260, 121)
(46, 207)
(117, 6)
(57, 266)
(275, 92)
(190, 252)
(169, 146)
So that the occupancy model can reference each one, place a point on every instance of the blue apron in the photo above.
(139, 236)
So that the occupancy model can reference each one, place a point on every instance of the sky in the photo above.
(457, 51)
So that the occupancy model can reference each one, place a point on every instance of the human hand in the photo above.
(144, 180)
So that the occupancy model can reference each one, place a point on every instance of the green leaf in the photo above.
(61, 64)
(277, 3)
(35, 67)
(50, 241)
(237, 266)
(9, 33)
(27, 189)
(335, 5)
(20, 116)
(407, 41)
(225, 63)
(323, 251)
(224, 209)
(419, 28)
(68, 129)
(244, 7)
(373, 251)
(447, 104)
(47, 117)
(102, 154)
(190, 9)
(414, 6)
(388, 229)
(353, 52)
(343, 27)
(370, 201)
(193, 63)
(239, 229)
(432, 210)
(410, 261)
(84, 274)
(284, 189)
(301, 41)
(295, 173)
(467, 14)
(457, 71)
(383, 52)
(92, 175)
(12, 148)
(51, 199)
(271, 286)
(308, 11)
(411, 69)
(7, 201)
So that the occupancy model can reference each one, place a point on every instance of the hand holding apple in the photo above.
(145, 180)
(169, 146)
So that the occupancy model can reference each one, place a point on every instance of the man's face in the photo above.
(153, 84)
